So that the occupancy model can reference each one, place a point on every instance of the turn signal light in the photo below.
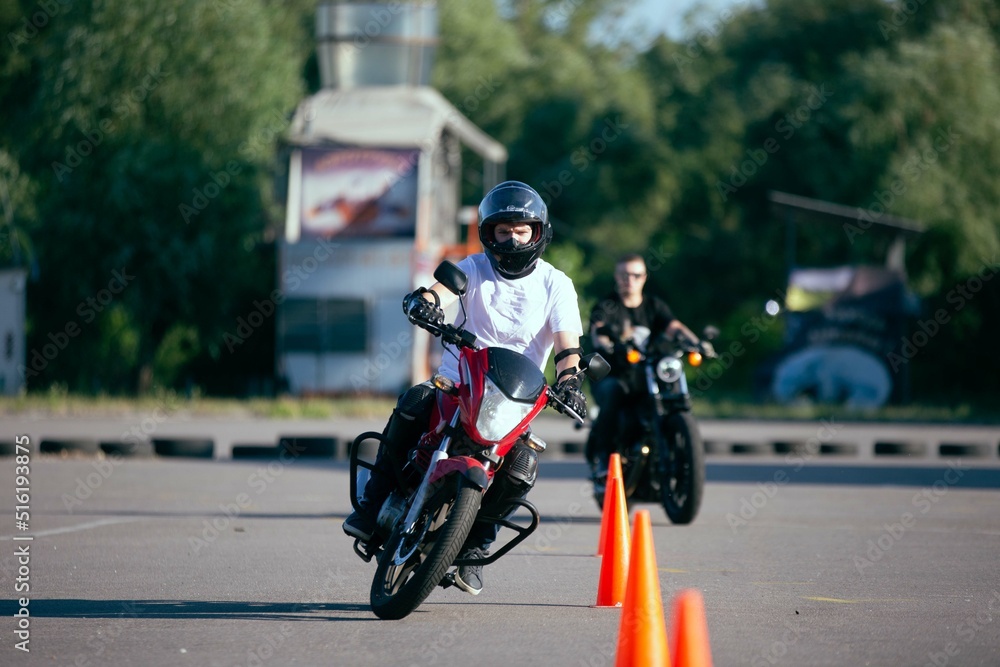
(444, 384)
(634, 356)
(694, 358)
(536, 443)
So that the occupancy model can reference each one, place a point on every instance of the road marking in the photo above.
(839, 601)
(672, 570)
(73, 529)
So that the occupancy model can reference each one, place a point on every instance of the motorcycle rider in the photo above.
(611, 325)
(515, 300)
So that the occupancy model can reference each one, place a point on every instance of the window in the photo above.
(324, 325)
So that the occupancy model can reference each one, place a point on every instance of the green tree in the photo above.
(149, 132)
(571, 107)
(17, 213)
(929, 106)
(840, 101)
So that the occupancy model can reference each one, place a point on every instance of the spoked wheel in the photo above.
(684, 468)
(412, 565)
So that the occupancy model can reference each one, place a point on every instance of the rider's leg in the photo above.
(409, 420)
(513, 480)
(405, 426)
(609, 395)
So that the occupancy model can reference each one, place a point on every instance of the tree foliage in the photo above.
(139, 140)
(147, 132)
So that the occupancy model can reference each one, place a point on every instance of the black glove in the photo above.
(419, 310)
(568, 391)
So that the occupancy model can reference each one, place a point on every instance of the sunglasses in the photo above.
(634, 276)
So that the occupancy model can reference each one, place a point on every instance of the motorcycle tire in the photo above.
(632, 473)
(683, 481)
(629, 502)
(401, 587)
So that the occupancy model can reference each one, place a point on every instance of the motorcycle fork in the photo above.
(420, 497)
(663, 461)
(668, 466)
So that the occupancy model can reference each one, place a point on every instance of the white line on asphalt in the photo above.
(73, 529)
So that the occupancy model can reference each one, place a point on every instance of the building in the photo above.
(12, 334)
(372, 205)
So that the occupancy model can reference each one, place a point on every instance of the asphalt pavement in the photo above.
(160, 561)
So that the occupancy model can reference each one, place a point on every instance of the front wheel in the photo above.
(634, 465)
(412, 565)
(683, 467)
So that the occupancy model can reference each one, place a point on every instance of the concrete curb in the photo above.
(827, 440)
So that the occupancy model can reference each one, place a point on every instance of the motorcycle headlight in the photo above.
(669, 369)
(498, 415)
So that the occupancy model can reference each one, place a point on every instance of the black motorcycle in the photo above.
(662, 453)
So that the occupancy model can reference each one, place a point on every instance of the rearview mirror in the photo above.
(710, 333)
(452, 277)
(595, 366)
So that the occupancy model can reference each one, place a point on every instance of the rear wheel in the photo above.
(683, 467)
(412, 565)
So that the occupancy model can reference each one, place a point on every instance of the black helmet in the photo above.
(513, 201)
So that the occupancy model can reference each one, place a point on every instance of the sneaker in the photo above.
(360, 526)
(470, 577)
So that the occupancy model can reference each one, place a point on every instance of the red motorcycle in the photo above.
(475, 424)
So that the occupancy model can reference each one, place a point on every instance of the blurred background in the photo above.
(229, 198)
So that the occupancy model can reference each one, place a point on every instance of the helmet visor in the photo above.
(525, 232)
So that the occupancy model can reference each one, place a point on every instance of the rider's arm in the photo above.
(446, 297)
(601, 341)
(565, 340)
(602, 327)
(676, 326)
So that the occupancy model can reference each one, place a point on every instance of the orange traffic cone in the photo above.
(614, 562)
(690, 631)
(642, 636)
(614, 472)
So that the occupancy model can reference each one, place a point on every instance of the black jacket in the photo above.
(652, 313)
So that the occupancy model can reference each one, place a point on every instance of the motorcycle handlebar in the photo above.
(462, 338)
(565, 409)
(449, 333)
(706, 349)
(702, 347)
(457, 336)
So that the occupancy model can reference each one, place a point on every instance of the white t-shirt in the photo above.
(522, 315)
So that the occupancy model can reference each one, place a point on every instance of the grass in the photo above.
(59, 403)
(965, 412)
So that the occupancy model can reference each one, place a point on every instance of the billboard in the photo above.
(841, 323)
(864, 306)
(358, 192)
